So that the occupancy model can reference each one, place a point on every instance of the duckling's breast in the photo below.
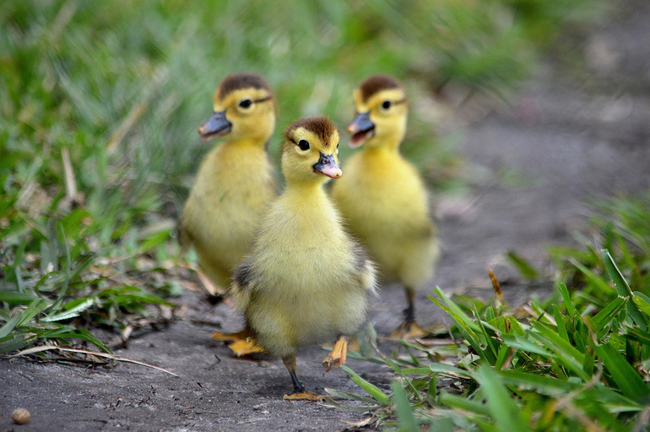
(307, 287)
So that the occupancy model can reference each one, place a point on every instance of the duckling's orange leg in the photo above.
(241, 343)
(338, 355)
(409, 329)
(299, 392)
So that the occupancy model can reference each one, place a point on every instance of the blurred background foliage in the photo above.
(101, 101)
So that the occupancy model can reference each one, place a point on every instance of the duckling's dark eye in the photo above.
(245, 103)
(386, 104)
(303, 144)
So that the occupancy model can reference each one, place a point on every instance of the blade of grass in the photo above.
(501, 405)
(623, 289)
(615, 274)
(523, 266)
(520, 343)
(32, 310)
(432, 390)
(561, 328)
(642, 301)
(350, 396)
(18, 342)
(465, 325)
(74, 312)
(67, 332)
(609, 313)
(593, 278)
(17, 298)
(449, 370)
(638, 334)
(67, 269)
(570, 307)
(539, 383)
(488, 339)
(463, 403)
(10, 325)
(453, 307)
(564, 352)
(19, 280)
(624, 375)
(371, 389)
(398, 371)
(406, 419)
(416, 371)
(504, 351)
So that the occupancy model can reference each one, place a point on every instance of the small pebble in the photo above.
(20, 416)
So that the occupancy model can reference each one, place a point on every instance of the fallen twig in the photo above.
(78, 351)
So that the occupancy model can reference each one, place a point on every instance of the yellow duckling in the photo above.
(383, 198)
(235, 183)
(306, 281)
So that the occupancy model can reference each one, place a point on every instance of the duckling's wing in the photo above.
(184, 236)
(239, 289)
(425, 229)
(365, 269)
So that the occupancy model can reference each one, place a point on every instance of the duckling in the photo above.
(235, 183)
(382, 197)
(306, 281)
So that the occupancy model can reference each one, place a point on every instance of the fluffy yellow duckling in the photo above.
(306, 281)
(235, 183)
(383, 198)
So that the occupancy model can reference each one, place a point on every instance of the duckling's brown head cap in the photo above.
(242, 81)
(377, 83)
(310, 151)
(322, 127)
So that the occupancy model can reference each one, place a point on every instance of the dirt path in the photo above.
(567, 140)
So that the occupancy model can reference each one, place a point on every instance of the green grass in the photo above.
(577, 361)
(621, 225)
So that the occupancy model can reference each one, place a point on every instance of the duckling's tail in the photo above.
(184, 237)
(369, 276)
(239, 290)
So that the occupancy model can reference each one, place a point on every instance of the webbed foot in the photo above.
(305, 395)
(241, 343)
(338, 355)
(409, 330)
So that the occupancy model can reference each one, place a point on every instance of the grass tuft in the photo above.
(571, 364)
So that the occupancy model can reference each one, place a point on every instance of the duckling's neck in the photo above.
(310, 203)
(246, 142)
(312, 188)
(389, 137)
(386, 146)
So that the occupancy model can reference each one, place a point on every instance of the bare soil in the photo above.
(533, 169)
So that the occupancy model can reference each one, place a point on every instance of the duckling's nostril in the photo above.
(326, 165)
(217, 125)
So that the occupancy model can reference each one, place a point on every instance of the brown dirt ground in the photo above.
(568, 138)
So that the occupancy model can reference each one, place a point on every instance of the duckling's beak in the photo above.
(327, 165)
(362, 129)
(217, 125)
